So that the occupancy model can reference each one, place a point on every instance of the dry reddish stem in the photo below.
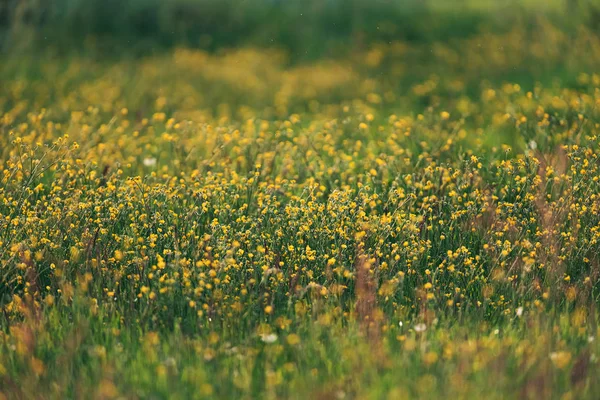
(366, 302)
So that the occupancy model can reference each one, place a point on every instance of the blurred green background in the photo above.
(306, 29)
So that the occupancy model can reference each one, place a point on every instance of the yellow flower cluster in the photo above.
(229, 192)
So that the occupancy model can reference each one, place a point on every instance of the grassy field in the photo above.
(405, 219)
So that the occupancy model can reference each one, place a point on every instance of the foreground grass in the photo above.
(407, 223)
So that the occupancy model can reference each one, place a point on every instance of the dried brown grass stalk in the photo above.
(368, 314)
(551, 218)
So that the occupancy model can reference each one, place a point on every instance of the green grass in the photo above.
(407, 218)
(307, 30)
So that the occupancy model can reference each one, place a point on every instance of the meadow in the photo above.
(406, 219)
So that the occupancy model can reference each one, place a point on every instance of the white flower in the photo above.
(400, 324)
(149, 161)
(268, 338)
(532, 145)
(496, 331)
(420, 327)
(591, 339)
(519, 311)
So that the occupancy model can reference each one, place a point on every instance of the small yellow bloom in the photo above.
(293, 339)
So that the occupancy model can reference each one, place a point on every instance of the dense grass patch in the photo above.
(411, 219)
